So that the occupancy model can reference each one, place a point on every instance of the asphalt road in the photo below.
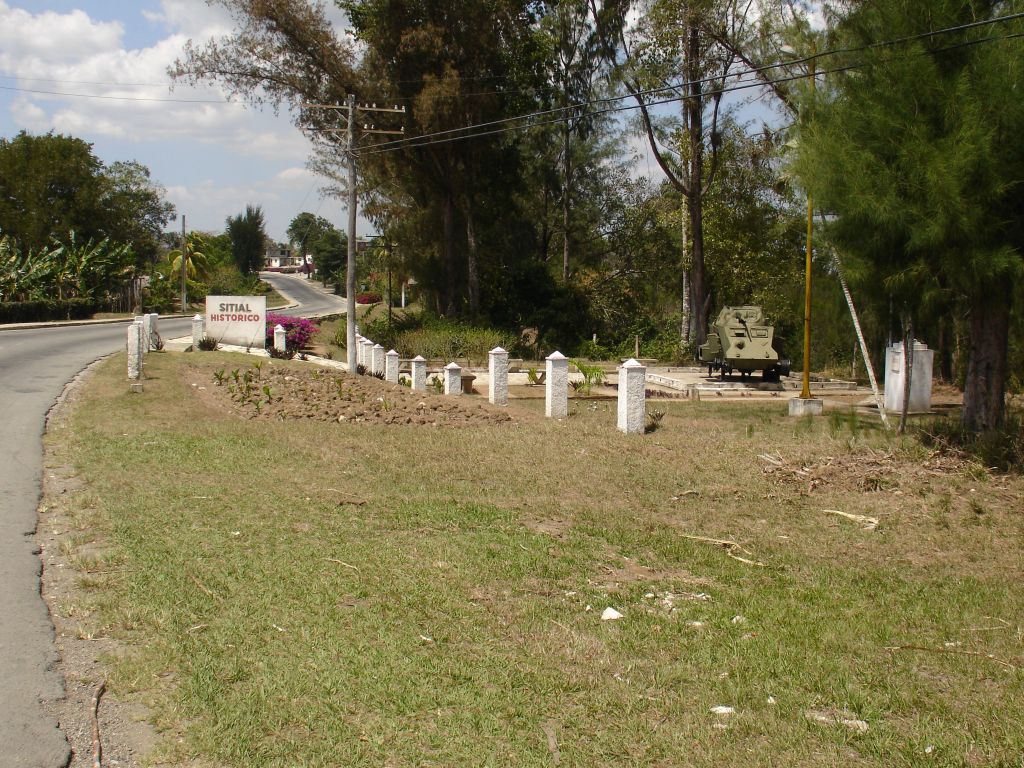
(35, 365)
(313, 300)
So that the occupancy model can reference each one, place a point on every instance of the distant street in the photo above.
(35, 365)
(313, 299)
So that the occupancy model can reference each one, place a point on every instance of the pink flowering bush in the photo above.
(298, 330)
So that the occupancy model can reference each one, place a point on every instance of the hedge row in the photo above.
(50, 309)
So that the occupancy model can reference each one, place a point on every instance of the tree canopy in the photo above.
(916, 154)
(248, 239)
(52, 185)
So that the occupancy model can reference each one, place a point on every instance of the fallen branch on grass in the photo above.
(728, 546)
(97, 749)
(957, 651)
(353, 500)
(342, 562)
(205, 588)
(869, 523)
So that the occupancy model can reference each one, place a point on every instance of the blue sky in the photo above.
(212, 158)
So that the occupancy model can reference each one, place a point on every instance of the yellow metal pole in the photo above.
(805, 393)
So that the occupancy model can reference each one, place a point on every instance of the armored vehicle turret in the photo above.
(740, 340)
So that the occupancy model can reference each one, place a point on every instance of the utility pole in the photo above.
(350, 273)
(184, 283)
(349, 109)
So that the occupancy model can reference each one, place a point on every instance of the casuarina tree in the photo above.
(916, 152)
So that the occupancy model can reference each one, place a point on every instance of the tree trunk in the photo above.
(685, 262)
(945, 354)
(694, 109)
(985, 388)
(566, 199)
(448, 253)
(908, 369)
(472, 268)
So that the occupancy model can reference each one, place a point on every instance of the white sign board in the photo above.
(240, 320)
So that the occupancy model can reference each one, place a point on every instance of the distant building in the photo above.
(279, 257)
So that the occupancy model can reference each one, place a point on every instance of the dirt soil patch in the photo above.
(294, 391)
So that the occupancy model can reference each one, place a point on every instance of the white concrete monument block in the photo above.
(419, 374)
(141, 346)
(377, 359)
(153, 337)
(198, 331)
(453, 379)
(280, 338)
(497, 386)
(632, 412)
(135, 351)
(359, 348)
(367, 346)
(556, 386)
(146, 333)
(391, 366)
(920, 380)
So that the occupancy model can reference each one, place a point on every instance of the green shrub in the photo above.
(46, 310)
(434, 337)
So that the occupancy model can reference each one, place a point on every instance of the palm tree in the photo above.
(196, 265)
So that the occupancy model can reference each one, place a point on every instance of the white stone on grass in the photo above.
(280, 338)
(453, 379)
(198, 331)
(391, 366)
(610, 614)
(497, 384)
(632, 397)
(419, 374)
(377, 359)
(556, 386)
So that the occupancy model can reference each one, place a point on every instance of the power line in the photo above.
(116, 98)
(166, 83)
(430, 139)
(703, 81)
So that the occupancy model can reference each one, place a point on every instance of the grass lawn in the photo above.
(311, 593)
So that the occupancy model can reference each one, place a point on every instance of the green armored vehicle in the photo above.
(740, 340)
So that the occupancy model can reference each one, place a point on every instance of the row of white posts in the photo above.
(632, 414)
(143, 337)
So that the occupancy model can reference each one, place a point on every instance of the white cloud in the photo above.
(125, 93)
(28, 39)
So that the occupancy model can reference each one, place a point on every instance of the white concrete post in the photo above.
(632, 400)
(141, 347)
(419, 374)
(453, 379)
(134, 351)
(556, 386)
(154, 332)
(147, 332)
(359, 349)
(497, 385)
(280, 338)
(391, 366)
(198, 331)
(377, 359)
(368, 355)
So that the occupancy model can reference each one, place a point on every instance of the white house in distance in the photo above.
(280, 257)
